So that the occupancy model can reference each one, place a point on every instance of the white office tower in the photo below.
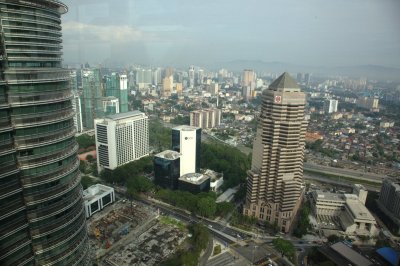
(121, 138)
(76, 106)
(331, 106)
(187, 141)
(191, 77)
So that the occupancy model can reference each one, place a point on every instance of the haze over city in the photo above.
(214, 33)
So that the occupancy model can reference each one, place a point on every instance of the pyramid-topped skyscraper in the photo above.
(274, 185)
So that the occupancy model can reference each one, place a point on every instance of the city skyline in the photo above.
(311, 33)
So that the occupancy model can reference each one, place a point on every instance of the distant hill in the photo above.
(368, 71)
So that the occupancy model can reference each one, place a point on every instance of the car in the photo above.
(210, 226)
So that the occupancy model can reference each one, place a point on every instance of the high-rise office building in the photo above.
(110, 106)
(178, 88)
(331, 106)
(77, 107)
(42, 219)
(91, 98)
(307, 78)
(117, 86)
(389, 201)
(191, 76)
(248, 83)
(168, 83)
(299, 77)
(76, 101)
(274, 184)
(143, 78)
(206, 118)
(187, 141)
(121, 138)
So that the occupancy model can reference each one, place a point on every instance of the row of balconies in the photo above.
(55, 225)
(47, 158)
(36, 119)
(32, 77)
(55, 208)
(51, 193)
(64, 236)
(39, 180)
(10, 188)
(28, 31)
(42, 98)
(26, 258)
(6, 147)
(13, 226)
(73, 247)
(10, 249)
(8, 168)
(11, 208)
(31, 25)
(44, 139)
(32, 16)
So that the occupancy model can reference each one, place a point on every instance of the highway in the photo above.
(367, 176)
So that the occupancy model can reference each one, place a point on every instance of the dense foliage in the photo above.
(201, 204)
(242, 221)
(181, 120)
(303, 224)
(285, 247)
(159, 136)
(123, 173)
(87, 181)
(227, 160)
(85, 141)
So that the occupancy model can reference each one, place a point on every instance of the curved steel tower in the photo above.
(42, 220)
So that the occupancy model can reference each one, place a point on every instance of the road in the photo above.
(367, 176)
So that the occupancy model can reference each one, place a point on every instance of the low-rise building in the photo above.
(194, 182)
(216, 181)
(167, 169)
(96, 197)
(348, 209)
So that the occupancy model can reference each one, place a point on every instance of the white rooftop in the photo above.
(194, 178)
(168, 154)
(95, 190)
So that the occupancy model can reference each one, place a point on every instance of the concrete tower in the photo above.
(274, 185)
(42, 219)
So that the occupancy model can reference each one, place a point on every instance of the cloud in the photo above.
(77, 31)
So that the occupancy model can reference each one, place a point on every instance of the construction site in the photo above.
(125, 233)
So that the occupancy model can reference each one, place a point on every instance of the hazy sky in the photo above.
(204, 32)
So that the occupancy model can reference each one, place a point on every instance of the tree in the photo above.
(207, 207)
(87, 181)
(139, 184)
(333, 238)
(285, 247)
(303, 224)
(224, 208)
(85, 141)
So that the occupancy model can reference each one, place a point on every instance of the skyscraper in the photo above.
(121, 138)
(42, 219)
(248, 83)
(331, 106)
(274, 184)
(91, 98)
(117, 86)
(191, 76)
(187, 141)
